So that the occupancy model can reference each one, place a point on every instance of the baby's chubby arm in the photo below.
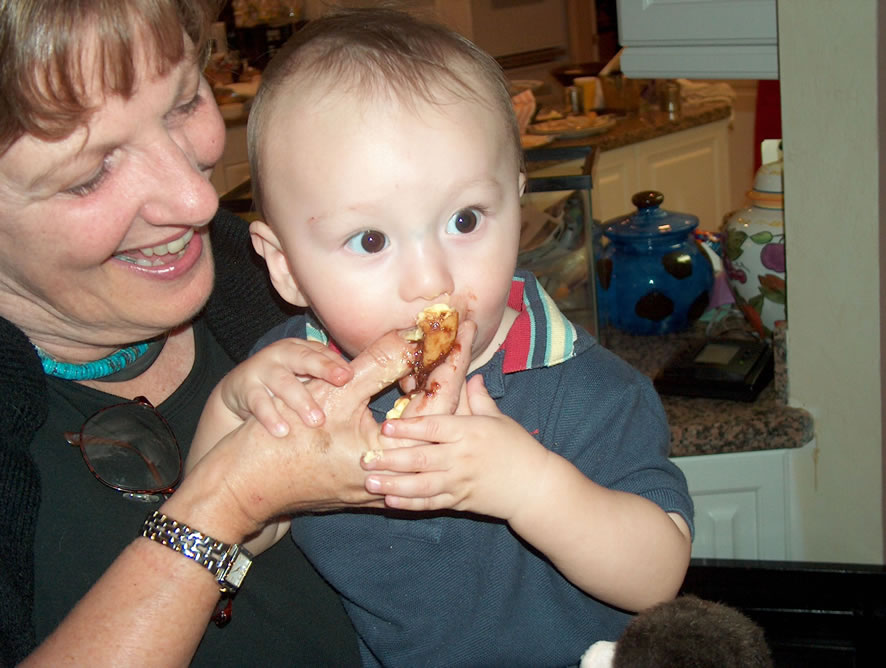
(277, 370)
(616, 546)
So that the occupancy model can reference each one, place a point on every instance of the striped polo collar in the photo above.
(541, 336)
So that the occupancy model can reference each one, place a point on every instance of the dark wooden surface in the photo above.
(814, 614)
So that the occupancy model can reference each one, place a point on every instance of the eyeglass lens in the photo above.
(130, 447)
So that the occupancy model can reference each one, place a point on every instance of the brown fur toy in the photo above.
(692, 633)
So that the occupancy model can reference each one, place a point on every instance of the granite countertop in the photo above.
(711, 426)
(643, 126)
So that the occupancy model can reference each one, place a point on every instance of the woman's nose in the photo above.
(178, 190)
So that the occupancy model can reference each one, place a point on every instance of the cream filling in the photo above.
(176, 247)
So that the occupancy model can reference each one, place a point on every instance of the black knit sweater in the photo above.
(243, 306)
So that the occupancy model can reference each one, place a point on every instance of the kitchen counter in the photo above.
(712, 426)
(640, 127)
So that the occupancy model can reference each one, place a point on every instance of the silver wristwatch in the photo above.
(228, 563)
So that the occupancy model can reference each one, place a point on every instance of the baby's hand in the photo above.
(268, 536)
(484, 462)
(279, 370)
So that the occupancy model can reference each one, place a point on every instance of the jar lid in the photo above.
(769, 178)
(768, 191)
(649, 221)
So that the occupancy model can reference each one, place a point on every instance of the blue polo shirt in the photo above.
(457, 589)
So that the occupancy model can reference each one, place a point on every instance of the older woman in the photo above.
(120, 279)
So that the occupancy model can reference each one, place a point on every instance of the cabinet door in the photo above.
(697, 22)
(233, 168)
(701, 39)
(691, 169)
(615, 182)
(740, 504)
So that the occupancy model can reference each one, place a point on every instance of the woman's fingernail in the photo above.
(316, 416)
(373, 485)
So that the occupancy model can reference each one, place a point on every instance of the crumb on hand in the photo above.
(371, 455)
(397, 410)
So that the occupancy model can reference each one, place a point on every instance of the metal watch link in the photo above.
(228, 563)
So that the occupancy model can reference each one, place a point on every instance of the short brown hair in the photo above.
(42, 73)
(382, 50)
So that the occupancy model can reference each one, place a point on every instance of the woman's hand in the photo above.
(251, 477)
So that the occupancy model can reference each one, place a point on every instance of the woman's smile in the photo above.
(167, 261)
(155, 256)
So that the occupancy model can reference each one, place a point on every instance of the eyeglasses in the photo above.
(131, 448)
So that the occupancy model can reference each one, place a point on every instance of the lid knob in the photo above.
(647, 199)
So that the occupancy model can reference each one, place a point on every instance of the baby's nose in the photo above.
(426, 278)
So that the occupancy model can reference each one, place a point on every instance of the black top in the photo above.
(284, 615)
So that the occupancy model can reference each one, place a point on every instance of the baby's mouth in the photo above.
(156, 256)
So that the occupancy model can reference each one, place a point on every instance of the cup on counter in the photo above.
(669, 99)
(588, 86)
(573, 100)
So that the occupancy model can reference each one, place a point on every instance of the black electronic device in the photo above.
(719, 368)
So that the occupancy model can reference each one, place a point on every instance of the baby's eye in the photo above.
(369, 241)
(464, 221)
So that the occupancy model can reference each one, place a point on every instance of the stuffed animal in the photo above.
(687, 631)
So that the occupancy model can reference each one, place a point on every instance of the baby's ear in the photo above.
(268, 246)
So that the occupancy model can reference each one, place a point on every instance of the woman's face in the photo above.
(103, 235)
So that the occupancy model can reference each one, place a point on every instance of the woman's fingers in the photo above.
(382, 363)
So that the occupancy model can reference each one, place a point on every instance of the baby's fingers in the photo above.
(410, 459)
(428, 428)
(421, 491)
(296, 395)
(261, 405)
(311, 359)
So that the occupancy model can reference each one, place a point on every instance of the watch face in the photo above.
(238, 570)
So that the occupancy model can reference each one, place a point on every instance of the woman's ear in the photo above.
(522, 183)
(268, 246)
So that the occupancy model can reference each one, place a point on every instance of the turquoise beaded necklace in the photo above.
(124, 364)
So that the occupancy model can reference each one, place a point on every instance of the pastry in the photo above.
(436, 327)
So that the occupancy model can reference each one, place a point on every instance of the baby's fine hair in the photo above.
(381, 53)
(693, 633)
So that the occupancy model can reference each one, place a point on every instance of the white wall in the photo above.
(829, 77)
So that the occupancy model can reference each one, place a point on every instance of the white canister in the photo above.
(754, 253)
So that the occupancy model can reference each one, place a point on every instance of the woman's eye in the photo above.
(370, 241)
(90, 186)
(189, 106)
(464, 221)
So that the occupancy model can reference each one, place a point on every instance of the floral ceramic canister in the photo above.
(754, 251)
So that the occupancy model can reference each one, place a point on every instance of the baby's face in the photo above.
(383, 211)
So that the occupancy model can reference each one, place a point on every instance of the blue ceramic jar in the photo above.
(653, 277)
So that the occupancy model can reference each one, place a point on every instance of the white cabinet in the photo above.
(233, 168)
(742, 504)
(699, 39)
(691, 168)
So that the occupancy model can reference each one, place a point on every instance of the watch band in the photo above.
(227, 562)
